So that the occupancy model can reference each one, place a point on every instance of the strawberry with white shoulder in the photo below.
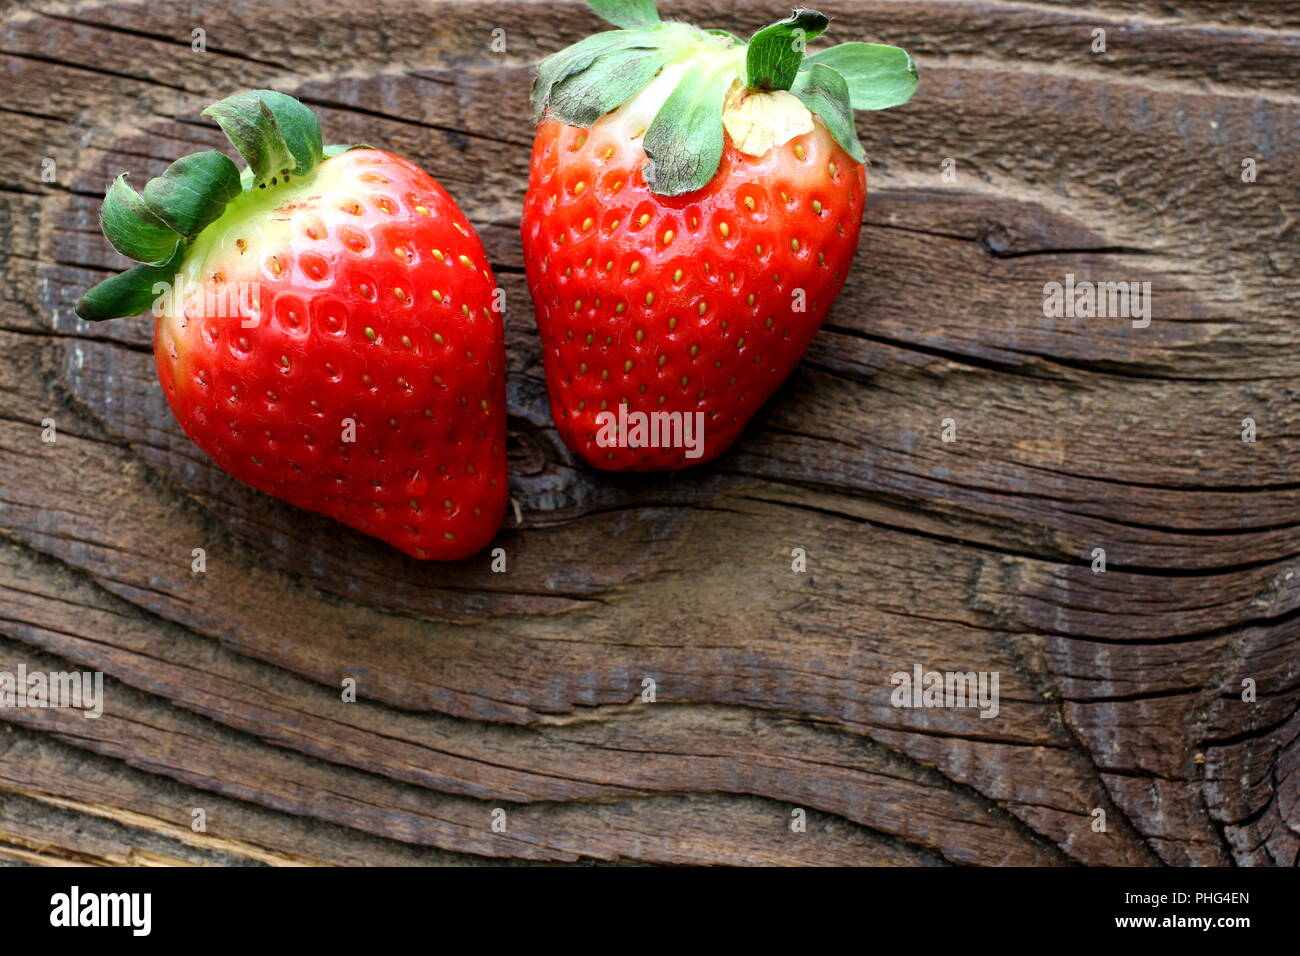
(693, 208)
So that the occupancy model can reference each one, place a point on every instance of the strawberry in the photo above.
(327, 329)
(693, 207)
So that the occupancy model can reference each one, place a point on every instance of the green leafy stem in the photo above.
(277, 136)
(684, 143)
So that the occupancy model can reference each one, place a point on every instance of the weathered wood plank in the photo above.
(1120, 691)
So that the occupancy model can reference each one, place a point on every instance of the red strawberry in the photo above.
(330, 335)
(693, 207)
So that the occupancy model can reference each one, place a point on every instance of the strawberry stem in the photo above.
(628, 14)
(681, 75)
(275, 134)
(775, 52)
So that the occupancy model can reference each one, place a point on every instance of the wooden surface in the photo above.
(1120, 691)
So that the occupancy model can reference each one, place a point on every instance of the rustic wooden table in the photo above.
(1147, 713)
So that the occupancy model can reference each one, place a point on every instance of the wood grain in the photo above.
(1120, 692)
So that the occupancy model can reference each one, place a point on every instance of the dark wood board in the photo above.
(1120, 691)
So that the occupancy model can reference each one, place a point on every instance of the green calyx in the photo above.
(684, 142)
(276, 136)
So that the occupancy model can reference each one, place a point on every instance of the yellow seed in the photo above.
(645, 217)
(583, 368)
(612, 226)
(835, 170)
(577, 190)
(618, 309)
(821, 258)
(627, 365)
(370, 333)
(640, 334)
(649, 298)
(799, 151)
(464, 260)
(672, 323)
(635, 268)
(749, 299)
(604, 374)
(668, 236)
(406, 341)
(749, 203)
(609, 152)
(437, 337)
(577, 305)
(794, 244)
(421, 210)
(437, 254)
(677, 276)
(704, 307)
(437, 296)
(724, 229)
(586, 224)
(662, 359)
(590, 337)
(694, 350)
(817, 206)
(685, 380)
